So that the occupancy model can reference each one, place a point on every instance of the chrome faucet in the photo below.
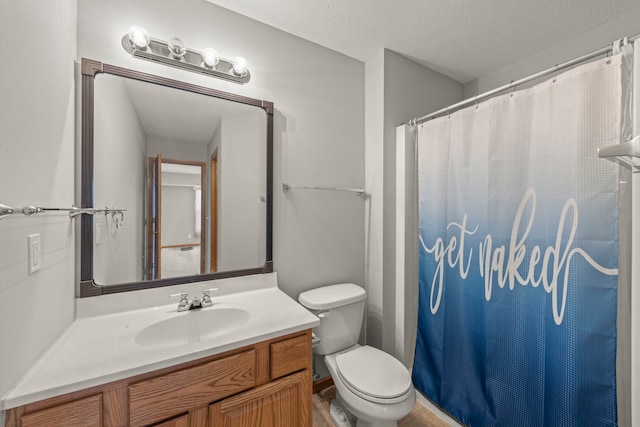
(184, 304)
(206, 297)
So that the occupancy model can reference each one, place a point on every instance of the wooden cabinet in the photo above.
(266, 384)
(182, 421)
(164, 396)
(276, 404)
(82, 412)
(288, 356)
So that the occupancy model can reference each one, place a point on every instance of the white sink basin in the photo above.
(192, 327)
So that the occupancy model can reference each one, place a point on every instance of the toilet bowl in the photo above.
(371, 385)
(377, 390)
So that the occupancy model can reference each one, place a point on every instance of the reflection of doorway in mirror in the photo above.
(153, 217)
(214, 211)
(175, 232)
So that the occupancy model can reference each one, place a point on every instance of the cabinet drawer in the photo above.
(83, 412)
(168, 395)
(290, 355)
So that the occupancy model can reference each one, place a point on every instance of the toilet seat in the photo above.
(374, 375)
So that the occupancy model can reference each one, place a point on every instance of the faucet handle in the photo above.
(182, 295)
(206, 297)
(183, 304)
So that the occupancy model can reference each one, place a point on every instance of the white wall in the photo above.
(398, 90)
(121, 162)
(36, 168)
(319, 122)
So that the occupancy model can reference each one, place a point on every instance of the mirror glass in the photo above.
(190, 173)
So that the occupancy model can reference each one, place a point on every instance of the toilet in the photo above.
(372, 386)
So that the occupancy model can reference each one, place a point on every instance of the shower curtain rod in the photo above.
(489, 94)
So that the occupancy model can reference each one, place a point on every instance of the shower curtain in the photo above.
(518, 256)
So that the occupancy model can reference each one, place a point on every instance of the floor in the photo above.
(419, 416)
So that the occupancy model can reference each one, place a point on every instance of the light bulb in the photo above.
(176, 47)
(239, 66)
(138, 37)
(210, 57)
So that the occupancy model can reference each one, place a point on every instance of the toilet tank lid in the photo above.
(332, 296)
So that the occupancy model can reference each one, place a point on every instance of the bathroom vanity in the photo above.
(268, 383)
(130, 358)
(111, 370)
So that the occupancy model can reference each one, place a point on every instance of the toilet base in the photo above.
(367, 413)
(339, 415)
(364, 423)
(343, 418)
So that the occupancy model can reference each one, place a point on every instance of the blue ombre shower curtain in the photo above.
(518, 234)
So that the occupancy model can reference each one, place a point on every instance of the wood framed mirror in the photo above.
(192, 168)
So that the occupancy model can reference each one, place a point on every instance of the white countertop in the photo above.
(100, 349)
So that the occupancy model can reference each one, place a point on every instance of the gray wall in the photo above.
(213, 145)
(176, 150)
(319, 122)
(398, 90)
(624, 26)
(121, 162)
(179, 209)
(36, 168)
(241, 213)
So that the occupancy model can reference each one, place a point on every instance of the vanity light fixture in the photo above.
(175, 54)
(239, 65)
(210, 57)
(138, 37)
(177, 48)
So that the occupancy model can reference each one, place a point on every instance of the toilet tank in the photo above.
(340, 309)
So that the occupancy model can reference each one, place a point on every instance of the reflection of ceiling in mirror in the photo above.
(172, 114)
(177, 115)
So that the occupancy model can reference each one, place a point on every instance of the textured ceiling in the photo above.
(463, 39)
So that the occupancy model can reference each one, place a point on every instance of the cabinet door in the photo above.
(282, 403)
(165, 396)
(182, 421)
